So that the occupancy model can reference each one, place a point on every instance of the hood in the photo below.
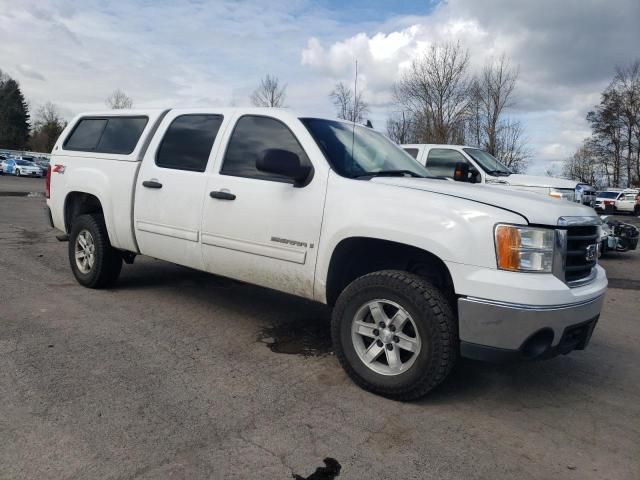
(520, 180)
(535, 208)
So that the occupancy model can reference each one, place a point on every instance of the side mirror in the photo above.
(285, 163)
(461, 172)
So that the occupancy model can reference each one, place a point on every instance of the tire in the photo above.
(636, 210)
(107, 261)
(430, 317)
(16, 172)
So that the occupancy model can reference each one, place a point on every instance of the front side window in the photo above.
(188, 141)
(442, 161)
(251, 137)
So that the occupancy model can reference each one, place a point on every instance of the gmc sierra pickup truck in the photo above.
(419, 270)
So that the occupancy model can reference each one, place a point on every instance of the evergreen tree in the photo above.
(14, 115)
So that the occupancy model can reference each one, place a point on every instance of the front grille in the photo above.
(579, 240)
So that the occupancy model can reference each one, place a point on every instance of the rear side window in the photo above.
(121, 135)
(117, 135)
(188, 141)
(412, 151)
(251, 137)
(86, 135)
(442, 161)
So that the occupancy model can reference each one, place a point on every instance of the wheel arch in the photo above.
(80, 203)
(356, 256)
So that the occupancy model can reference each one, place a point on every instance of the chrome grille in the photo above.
(582, 257)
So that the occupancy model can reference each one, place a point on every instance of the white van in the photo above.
(470, 164)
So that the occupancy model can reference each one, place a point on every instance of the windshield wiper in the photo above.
(389, 173)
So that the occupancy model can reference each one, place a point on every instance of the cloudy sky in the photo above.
(198, 52)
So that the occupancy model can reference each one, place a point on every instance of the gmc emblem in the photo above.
(591, 253)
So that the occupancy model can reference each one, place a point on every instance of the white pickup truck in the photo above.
(470, 164)
(418, 270)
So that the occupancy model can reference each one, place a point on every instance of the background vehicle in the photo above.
(477, 166)
(629, 201)
(618, 200)
(22, 168)
(2, 160)
(418, 270)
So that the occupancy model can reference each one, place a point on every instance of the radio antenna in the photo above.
(354, 112)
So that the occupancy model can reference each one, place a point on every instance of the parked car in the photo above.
(618, 200)
(418, 270)
(629, 201)
(2, 160)
(469, 164)
(22, 168)
(42, 162)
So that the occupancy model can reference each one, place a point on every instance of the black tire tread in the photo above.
(422, 290)
(109, 260)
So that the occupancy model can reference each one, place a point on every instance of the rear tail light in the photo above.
(47, 182)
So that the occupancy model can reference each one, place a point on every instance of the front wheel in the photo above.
(94, 262)
(17, 172)
(395, 334)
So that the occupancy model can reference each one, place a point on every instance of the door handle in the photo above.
(220, 195)
(151, 184)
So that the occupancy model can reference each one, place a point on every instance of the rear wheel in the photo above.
(395, 334)
(94, 262)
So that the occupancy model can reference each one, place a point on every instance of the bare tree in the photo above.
(400, 128)
(510, 147)
(348, 106)
(48, 126)
(582, 166)
(270, 93)
(435, 89)
(118, 100)
(492, 93)
(627, 83)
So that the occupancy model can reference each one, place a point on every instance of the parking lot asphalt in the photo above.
(178, 374)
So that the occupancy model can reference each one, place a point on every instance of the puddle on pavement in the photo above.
(309, 337)
(330, 471)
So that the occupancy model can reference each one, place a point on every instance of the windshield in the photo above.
(488, 162)
(24, 163)
(608, 195)
(361, 151)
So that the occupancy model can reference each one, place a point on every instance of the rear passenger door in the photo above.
(170, 187)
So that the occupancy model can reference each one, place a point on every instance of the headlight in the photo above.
(563, 193)
(524, 249)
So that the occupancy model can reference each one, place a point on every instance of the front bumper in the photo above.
(497, 331)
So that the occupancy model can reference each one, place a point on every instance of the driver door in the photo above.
(256, 226)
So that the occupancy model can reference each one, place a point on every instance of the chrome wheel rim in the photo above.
(385, 337)
(85, 251)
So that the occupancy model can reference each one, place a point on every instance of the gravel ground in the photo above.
(179, 374)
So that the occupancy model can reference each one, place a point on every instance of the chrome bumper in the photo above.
(494, 331)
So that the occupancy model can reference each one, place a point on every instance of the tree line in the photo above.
(20, 131)
(610, 156)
